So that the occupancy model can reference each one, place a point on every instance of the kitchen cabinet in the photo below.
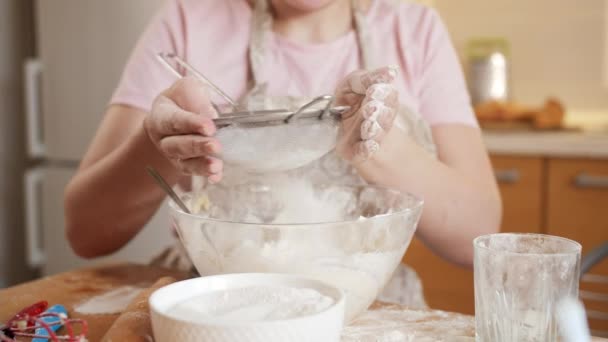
(520, 182)
(564, 197)
(446, 286)
(577, 208)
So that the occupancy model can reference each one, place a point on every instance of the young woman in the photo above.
(411, 126)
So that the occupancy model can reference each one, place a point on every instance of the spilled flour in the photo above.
(253, 304)
(108, 303)
(394, 323)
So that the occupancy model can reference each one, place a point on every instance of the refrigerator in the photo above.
(82, 47)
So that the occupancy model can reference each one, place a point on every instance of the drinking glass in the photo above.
(519, 279)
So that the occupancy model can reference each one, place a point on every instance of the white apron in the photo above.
(405, 287)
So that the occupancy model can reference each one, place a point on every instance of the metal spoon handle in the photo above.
(163, 184)
(167, 188)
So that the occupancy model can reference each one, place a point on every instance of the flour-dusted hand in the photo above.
(374, 102)
(181, 126)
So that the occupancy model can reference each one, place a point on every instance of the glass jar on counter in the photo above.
(488, 69)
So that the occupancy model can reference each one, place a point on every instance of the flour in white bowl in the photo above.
(252, 304)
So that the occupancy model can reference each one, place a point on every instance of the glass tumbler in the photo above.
(519, 279)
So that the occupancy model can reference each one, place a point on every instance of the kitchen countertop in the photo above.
(585, 135)
(382, 322)
(564, 144)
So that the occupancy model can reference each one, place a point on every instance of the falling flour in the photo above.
(112, 302)
(253, 304)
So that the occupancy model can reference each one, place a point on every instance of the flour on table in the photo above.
(394, 323)
(112, 302)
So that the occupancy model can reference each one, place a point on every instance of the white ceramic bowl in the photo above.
(324, 326)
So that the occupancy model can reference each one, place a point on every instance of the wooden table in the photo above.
(72, 288)
(75, 287)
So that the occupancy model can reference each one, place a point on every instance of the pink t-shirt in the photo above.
(214, 35)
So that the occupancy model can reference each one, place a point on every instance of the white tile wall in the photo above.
(559, 47)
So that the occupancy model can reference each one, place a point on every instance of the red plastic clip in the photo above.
(31, 311)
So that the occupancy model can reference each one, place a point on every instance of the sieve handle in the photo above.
(165, 59)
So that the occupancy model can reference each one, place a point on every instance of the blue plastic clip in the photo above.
(57, 309)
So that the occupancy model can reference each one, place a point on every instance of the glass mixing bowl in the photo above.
(352, 237)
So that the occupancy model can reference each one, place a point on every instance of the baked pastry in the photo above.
(550, 116)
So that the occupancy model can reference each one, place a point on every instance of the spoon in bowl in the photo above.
(167, 188)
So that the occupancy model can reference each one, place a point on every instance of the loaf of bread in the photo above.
(502, 111)
(549, 116)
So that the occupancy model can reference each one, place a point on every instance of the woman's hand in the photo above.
(374, 102)
(181, 127)
(459, 189)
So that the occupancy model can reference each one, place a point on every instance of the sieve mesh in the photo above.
(267, 147)
(277, 148)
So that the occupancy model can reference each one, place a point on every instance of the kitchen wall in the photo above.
(559, 47)
(16, 42)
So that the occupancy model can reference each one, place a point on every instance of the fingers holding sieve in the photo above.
(209, 167)
(189, 146)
